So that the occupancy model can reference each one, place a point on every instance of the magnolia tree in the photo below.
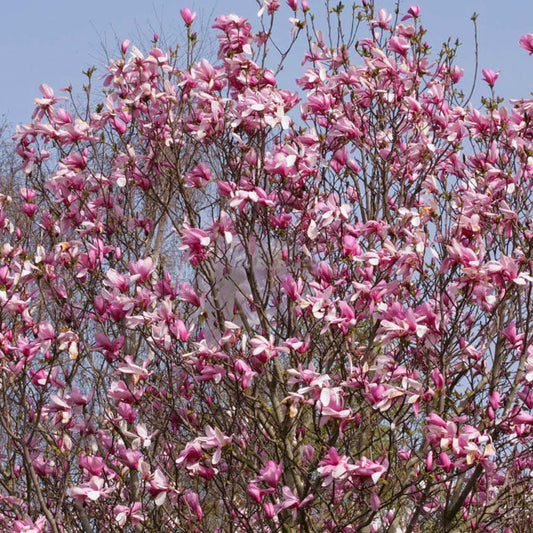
(227, 306)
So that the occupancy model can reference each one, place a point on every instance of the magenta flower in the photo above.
(271, 473)
(141, 270)
(335, 467)
(292, 501)
(526, 42)
(438, 378)
(445, 462)
(399, 45)
(45, 103)
(93, 490)
(29, 526)
(490, 76)
(412, 12)
(257, 493)
(429, 461)
(187, 15)
(132, 512)
(125, 45)
(198, 177)
(195, 241)
(383, 21)
(130, 367)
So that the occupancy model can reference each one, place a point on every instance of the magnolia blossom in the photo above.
(526, 41)
(187, 15)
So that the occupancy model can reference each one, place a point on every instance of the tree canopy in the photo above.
(230, 306)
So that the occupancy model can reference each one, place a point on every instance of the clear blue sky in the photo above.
(52, 41)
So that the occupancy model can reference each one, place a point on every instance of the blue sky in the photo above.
(53, 41)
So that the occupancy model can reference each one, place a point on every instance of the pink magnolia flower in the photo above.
(293, 4)
(43, 467)
(141, 270)
(271, 6)
(132, 458)
(412, 12)
(29, 526)
(331, 405)
(404, 454)
(334, 467)
(263, 349)
(193, 501)
(214, 438)
(438, 378)
(93, 490)
(526, 42)
(93, 465)
(292, 502)
(45, 103)
(247, 374)
(62, 117)
(490, 76)
(187, 15)
(127, 412)
(109, 348)
(384, 19)
(514, 338)
(399, 45)
(61, 406)
(350, 246)
(374, 501)
(28, 194)
(429, 461)
(523, 418)
(456, 73)
(195, 241)
(130, 367)
(439, 432)
(133, 513)
(197, 177)
(117, 280)
(190, 455)
(494, 399)
(141, 437)
(119, 391)
(188, 294)
(158, 486)
(271, 473)
(366, 468)
(445, 461)
(292, 288)
(258, 493)
(236, 35)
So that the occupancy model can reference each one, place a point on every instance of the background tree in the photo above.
(232, 307)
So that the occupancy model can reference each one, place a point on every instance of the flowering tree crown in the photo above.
(227, 306)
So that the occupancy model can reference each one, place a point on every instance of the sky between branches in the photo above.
(54, 41)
